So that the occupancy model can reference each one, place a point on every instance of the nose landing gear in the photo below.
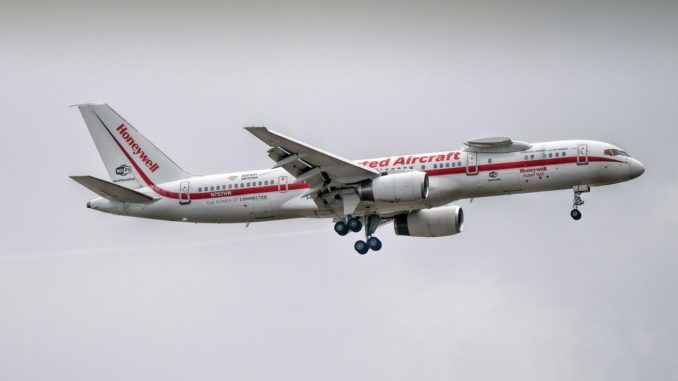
(578, 201)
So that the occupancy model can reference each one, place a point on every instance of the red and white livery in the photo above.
(412, 191)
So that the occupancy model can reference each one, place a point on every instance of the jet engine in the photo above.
(436, 222)
(397, 187)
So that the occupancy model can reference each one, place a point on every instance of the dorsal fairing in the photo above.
(496, 145)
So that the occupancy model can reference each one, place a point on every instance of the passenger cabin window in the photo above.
(199, 189)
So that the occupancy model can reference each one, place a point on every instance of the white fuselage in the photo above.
(272, 194)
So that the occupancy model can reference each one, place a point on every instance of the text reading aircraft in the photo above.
(413, 191)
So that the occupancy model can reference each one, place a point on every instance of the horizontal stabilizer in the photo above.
(112, 191)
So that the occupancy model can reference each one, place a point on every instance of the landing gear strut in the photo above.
(578, 190)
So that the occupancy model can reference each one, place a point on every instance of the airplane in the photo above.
(414, 192)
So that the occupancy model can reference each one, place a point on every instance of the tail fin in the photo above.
(132, 160)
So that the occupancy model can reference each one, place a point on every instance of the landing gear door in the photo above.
(471, 163)
(582, 154)
(185, 193)
(282, 184)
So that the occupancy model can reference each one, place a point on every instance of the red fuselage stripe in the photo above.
(275, 188)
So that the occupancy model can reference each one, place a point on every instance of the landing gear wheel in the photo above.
(355, 225)
(341, 228)
(576, 214)
(374, 243)
(361, 247)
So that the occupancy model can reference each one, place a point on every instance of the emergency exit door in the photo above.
(282, 184)
(471, 163)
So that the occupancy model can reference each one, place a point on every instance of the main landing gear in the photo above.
(578, 190)
(353, 224)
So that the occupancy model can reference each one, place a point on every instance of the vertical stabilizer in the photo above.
(132, 160)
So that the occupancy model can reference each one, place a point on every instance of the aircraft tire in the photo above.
(374, 243)
(361, 247)
(341, 228)
(575, 214)
(355, 225)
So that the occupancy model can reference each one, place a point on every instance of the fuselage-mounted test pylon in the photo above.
(412, 191)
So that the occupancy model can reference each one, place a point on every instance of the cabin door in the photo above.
(185, 193)
(582, 154)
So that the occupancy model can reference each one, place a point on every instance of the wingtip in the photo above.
(78, 105)
(79, 178)
(255, 129)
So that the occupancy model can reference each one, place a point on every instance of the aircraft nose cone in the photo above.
(636, 168)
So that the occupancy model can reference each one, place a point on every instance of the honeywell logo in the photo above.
(136, 150)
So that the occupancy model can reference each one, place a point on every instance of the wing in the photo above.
(308, 163)
(325, 173)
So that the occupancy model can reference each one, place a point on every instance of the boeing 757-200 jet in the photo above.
(412, 191)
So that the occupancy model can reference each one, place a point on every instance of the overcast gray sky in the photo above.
(523, 293)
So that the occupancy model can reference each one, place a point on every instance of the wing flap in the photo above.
(112, 191)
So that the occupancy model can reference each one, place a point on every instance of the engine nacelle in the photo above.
(397, 187)
(436, 222)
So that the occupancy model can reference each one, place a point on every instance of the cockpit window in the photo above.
(615, 152)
